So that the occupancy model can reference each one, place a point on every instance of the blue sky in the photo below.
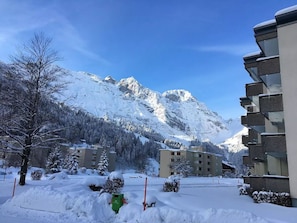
(165, 44)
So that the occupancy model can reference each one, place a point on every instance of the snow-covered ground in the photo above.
(68, 199)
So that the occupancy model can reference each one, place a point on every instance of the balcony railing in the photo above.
(255, 119)
(268, 66)
(271, 103)
(254, 89)
(256, 153)
(244, 102)
(247, 161)
(245, 139)
(274, 143)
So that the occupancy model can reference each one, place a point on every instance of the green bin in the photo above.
(117, 202)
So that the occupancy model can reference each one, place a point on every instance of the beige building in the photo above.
(203, 163)
(89, 155)
(271, 106)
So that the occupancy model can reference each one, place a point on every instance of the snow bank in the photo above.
(71, 200)
(79, 206)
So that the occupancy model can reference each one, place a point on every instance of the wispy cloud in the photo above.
(17, 18)
(232, 49)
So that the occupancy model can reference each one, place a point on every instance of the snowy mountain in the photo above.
(234, 144)
(174, 114)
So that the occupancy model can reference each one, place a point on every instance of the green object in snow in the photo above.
(117, 202)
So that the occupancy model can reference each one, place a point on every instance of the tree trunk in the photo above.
(24, 166)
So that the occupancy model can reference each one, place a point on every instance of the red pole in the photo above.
(14, 187)
(144, 200)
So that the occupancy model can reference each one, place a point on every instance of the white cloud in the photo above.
(23, 17)
(233, 49)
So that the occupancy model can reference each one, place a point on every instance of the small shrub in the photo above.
(171, 184)
(114, 183)
(36, 174)
(272, 197)
(244, 189)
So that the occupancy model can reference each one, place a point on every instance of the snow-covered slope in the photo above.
(175, 114)
(234, 144)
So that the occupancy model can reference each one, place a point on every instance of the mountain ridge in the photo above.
(174, 114)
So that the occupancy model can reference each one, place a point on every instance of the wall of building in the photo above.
(203, 164)
(287, 36)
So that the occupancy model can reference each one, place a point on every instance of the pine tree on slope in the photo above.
(103, 164)
(54, 161)
(71, 162)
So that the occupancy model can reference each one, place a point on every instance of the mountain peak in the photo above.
(179, 95)
(109, 79)
(131, 86)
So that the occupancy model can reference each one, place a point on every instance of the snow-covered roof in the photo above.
(286, 10)
(252, 54)
(267, 58)
(228, 164)
(265, 24)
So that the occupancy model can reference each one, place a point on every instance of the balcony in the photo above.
(247, 161)
(254, 120)
(256, 153)
(254, 89)
(274, 144)
(268, 66)
(245, 139)
(251, 138)
(245, 102)
(271, 103)
(244, 120)
(268, 183)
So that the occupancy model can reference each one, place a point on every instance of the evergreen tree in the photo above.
(103, 164)
(71, 162)
(54, 161)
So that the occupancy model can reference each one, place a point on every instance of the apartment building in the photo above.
(202, 163)
(271, 106)
(89, 155)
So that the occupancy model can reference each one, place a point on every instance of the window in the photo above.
(208, 163)
(178, 153)
(172, 160)
(172, 153)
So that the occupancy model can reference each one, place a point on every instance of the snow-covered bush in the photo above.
(172, 183)
(58, 176)
(150, 201)
(244, 189)
(83, 170)
(114, 183)
(272, 197)
(36, 174)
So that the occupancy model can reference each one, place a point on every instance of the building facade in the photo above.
(202, 163)
(271, 106)
(89, 155)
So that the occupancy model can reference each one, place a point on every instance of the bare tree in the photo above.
(182, 166)
(31, 78)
